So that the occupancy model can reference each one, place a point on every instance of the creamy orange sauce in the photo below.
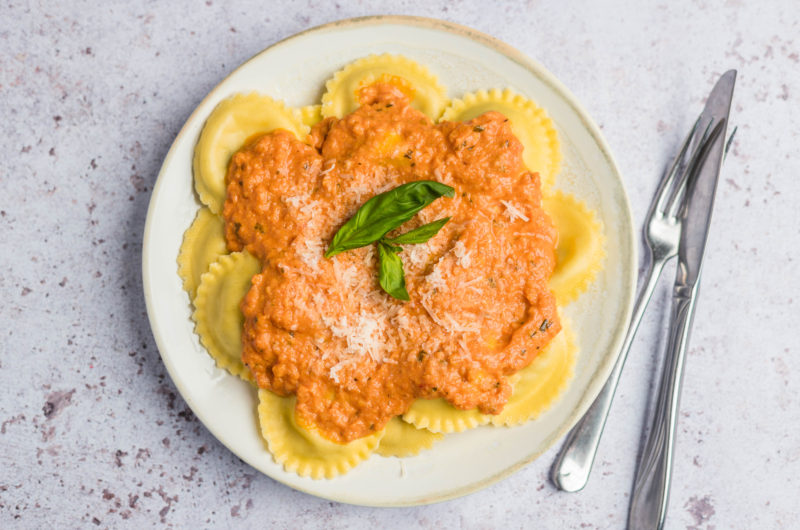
(323, 329)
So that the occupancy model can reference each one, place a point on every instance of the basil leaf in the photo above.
(397, 249)
(419, 235)
(391, 275)
(385, 212)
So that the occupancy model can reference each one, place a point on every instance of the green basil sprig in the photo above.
(385, 212)
(382, 214)
(391, 275)
(418, 235)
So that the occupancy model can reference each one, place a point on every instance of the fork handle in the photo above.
(573, 465)
(651, 486)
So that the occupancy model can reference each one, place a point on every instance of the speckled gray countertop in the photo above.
(92, 430)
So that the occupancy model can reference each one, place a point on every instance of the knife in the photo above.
(651, 487)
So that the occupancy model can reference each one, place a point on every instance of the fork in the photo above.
(661, 233)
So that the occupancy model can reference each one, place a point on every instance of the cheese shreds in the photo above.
(471, 284)
(435, 278)
(513, 212)
(334, 372)
(462, 254)
(445, 320)
(361, 319)
(346, 275)
(434, 345)
(310, 209)
(326, 171)
(319, 300)
(368, 255)
(417, 255)
(310, 252)
(456, 326)
(365, 337)
(489, 223)
(433, 316)
(401, 321)
(541, 237)
(358, 196)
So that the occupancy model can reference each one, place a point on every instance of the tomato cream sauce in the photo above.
(323, 329)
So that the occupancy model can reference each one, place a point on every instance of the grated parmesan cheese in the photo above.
(294, 202)
(513, 212)
(311, 209)
(326, 171)
(334, 372)
(456, 326)
(346, 275)
(446, 320)
(365, 337)
(401, 321)
(471, 285)
(310, 252)
(433, 315)
(417, 255)
(435, 278)
(463, 258)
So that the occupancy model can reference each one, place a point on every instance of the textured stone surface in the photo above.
(92, 430)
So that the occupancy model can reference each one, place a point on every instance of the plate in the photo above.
(295, 71)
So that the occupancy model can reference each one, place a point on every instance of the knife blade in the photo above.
(653, 474)
(702, 184)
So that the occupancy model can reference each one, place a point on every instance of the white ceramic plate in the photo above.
(295, 70)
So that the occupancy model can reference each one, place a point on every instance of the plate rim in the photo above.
(605, 365)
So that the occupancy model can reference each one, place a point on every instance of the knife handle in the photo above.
(651, 486)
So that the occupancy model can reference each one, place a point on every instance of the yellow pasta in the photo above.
(541, 382)
(438, 415)
(580, 250)
(203, 243)
(542, 152)
(229, 126)
(403, 439)
(217, 315)
(341, 95)
(311, 115)
(301, 450)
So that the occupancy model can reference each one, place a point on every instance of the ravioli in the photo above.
(203, 243)
(342, 90)
(303, 451)
(402, 439)
(580, 249)
(217, 315)
(529, 122)
(230, 125)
